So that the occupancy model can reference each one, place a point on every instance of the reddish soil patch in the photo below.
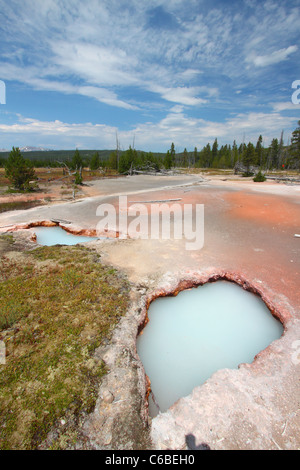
(264, 209)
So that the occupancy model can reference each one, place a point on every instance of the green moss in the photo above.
(58, 304)
(7, 237)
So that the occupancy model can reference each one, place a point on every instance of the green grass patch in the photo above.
(58, 304)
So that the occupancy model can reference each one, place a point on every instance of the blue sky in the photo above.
(77, 74)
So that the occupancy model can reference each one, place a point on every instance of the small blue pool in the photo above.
(50, 236)
(202, 330)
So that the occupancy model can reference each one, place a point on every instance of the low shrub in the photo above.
(259, 178)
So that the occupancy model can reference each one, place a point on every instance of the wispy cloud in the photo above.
(285, 106)
(110, 44)
(182, 95)
(216, 63)
(273, 58)
(83, 135)
(189, 132)
(176, 127)
(97, 64)
(30, 77)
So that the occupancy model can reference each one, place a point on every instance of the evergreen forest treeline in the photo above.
(275, 156)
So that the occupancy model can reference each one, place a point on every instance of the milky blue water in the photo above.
(189, 337)
(57, 236)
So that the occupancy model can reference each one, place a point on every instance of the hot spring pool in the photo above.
(189, 337)
(57, 236)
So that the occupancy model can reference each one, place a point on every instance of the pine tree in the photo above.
(172, 154)
(215, 149)
(127, 160)
(95, 161)
(249, 158)
(168, 161)
(274, 153)
(77, 162)
(234, 154)
(19, 171)
(195, 156)
(259, 151)
(113, 160)
(295, 148)
(207, 156)
(185, 158)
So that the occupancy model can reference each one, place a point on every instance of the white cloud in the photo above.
(107, 46)
(98, 65)
(177, 109)
(284, 106)
(189, 74)
(273, 58)
(105, 51)
(57, 128)
(175, 127)
(182, 95)
(189, 132)
(57, 134)
(30, 77)
(105, 96)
